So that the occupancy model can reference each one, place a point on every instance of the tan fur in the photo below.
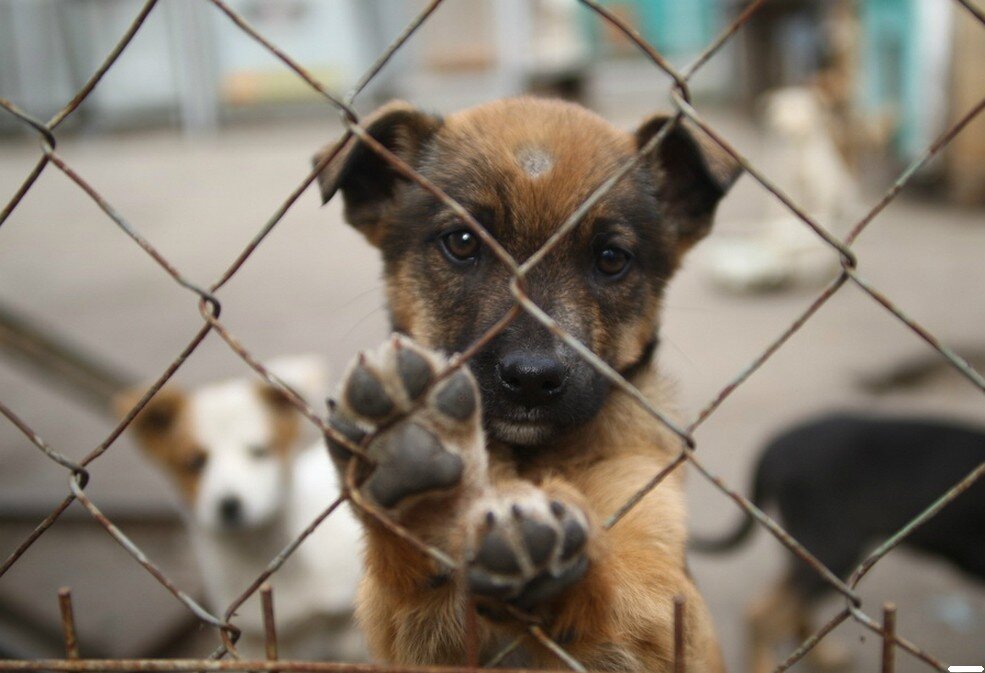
(163, 433)
(619, 616)
(283, 416)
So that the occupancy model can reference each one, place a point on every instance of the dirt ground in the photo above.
(314, 286)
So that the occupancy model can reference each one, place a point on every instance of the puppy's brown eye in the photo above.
(612, 261)
(195, 463)
(461, 245)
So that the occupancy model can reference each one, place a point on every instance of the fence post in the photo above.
(269, 629)
(888, 638)
(680, 663)
(68, 623)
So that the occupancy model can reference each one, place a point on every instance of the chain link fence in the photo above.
(225, 657)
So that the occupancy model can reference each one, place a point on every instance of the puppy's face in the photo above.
(227, 448)
(521, 168)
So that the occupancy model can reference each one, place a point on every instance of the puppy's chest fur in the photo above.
(230, 563)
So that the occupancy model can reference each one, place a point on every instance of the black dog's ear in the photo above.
(692, 174)
(367, 181)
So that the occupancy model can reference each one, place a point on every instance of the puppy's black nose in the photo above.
(531, 379)
(230, 510)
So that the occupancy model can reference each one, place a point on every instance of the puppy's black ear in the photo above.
(367, 181)
(692, 174)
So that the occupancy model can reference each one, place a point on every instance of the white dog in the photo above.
(780, 249)
(231, 449)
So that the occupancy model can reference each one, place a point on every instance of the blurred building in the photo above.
(896, 72)
(188, 63)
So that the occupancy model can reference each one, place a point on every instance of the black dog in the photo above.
(844, 483)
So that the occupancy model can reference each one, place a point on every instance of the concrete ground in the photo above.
(314, 286)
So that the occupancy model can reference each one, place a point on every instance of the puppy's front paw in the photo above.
(424, 443)
(527, 549)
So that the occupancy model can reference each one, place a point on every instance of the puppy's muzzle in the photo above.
(230, 511)
(531, 379)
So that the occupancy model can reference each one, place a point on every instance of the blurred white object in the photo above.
(781, 249)
(768, 255)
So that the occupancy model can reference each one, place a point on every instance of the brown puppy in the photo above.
(517, 487)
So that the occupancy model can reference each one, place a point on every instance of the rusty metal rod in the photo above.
(68, 623)
(680, 635)
(889, 638)
(269, 627)
(192, 665)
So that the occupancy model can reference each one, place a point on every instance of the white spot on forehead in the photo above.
(230, 414)
(534, 161)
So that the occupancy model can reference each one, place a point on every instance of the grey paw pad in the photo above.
(484, 584)
(414, 371)
(412, 461)
(365, 394)
(546, 586)
(348, 430)
(539, 539)
(498, 572)
(496, 554)
(575, 536)
(456, 398)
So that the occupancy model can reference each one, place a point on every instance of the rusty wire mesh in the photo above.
(210, 307)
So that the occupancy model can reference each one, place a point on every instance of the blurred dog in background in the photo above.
(235, 454)
(779, 249)
(841, 485)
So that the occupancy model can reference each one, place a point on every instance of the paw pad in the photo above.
(529, 553)
(366, 395)
(457, 397)
(420, 445)
(414, 371)
(414, 461)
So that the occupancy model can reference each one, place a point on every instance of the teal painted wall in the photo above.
(889, 81)
(674, 27)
